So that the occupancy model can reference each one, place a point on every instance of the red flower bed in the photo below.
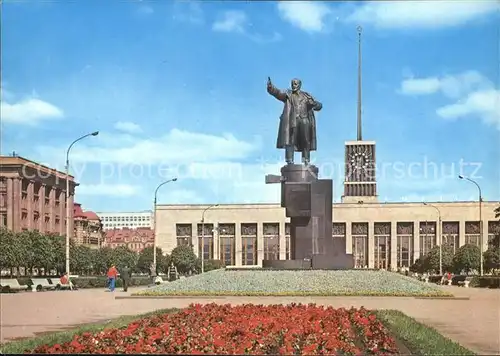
(245, 329)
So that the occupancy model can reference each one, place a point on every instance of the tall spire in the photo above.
(360, 134)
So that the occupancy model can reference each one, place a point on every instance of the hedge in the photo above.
(96, 282)
(485, 282)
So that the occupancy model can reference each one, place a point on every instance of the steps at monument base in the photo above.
(324, 262)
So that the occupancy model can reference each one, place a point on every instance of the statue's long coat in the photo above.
(288, 121)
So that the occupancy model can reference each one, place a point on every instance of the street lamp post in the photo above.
(154, 218)
(68, 207)
(440, 237)
(203, 235)
(480, 221)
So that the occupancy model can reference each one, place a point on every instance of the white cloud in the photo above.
(485, 104)
(113, 190)
(175, 148)
(188, 11)
(306, 15)
(127, 126)
(452, 86)
(29, 111)
(231, 21)
(474, 95)
(421, 14)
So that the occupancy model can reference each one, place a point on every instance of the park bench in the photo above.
(465, 282)
(11, 285)
(40, 284)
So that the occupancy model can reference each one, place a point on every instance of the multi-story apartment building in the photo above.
(32, 196)
(88, 227)
(135, 239)
(131, 220)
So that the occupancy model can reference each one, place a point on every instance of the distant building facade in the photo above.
(131, 220)
(134, 239)
(88, 229)
(379, 235)
(32, 196)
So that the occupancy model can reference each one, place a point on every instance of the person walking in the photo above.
(112, 274)
(125, 276)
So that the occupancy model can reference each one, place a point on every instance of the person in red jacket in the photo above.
(112, 275)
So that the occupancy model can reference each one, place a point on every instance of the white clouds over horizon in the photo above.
(109, 190)
(29, 111)
(314, 16)
(473, 95)
(127, 127)
(175, 147)
(308, 16)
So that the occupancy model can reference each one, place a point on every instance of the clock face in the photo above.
(360, 160)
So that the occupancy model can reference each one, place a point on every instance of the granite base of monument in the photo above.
(308, 203)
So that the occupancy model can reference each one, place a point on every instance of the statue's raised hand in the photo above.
(269, 83)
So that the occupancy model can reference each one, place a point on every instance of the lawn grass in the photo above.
(420, 339)
(60, 337)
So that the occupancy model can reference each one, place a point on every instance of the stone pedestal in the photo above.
(308, 203)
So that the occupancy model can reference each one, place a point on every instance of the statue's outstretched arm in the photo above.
(278, 94)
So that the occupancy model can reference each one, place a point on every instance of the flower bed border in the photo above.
(157, 293)
(410, 335)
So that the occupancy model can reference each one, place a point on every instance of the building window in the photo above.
(472, 233)
(450, 234)
(360, 244)
(227, 245)
(271, 232)
(382, 237)
(207, 239)
(287, 241)
(493, 230)
(3, 219)
(405, 244)
(249, 244)
(339, 236)
(184, 234)
(427, 236)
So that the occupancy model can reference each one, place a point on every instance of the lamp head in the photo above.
(461, 176)
(95, 133)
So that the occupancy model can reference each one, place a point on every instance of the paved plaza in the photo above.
(474, 323)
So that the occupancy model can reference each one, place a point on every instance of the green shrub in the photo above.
(210, 265)
(95, 282)
(485, 282)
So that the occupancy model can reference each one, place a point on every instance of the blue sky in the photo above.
(178, 88)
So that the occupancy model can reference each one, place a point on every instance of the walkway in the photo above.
(474, 323)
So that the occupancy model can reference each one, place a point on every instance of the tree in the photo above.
(122, 256)
(24, 242)
(431, 260)
(146, 259)
(101, 260)
(80, 259)
(467, 258)
(44, 253)
(419, 266)
(9, 255)
(59, 251)
(491, 259)
(184, 259)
